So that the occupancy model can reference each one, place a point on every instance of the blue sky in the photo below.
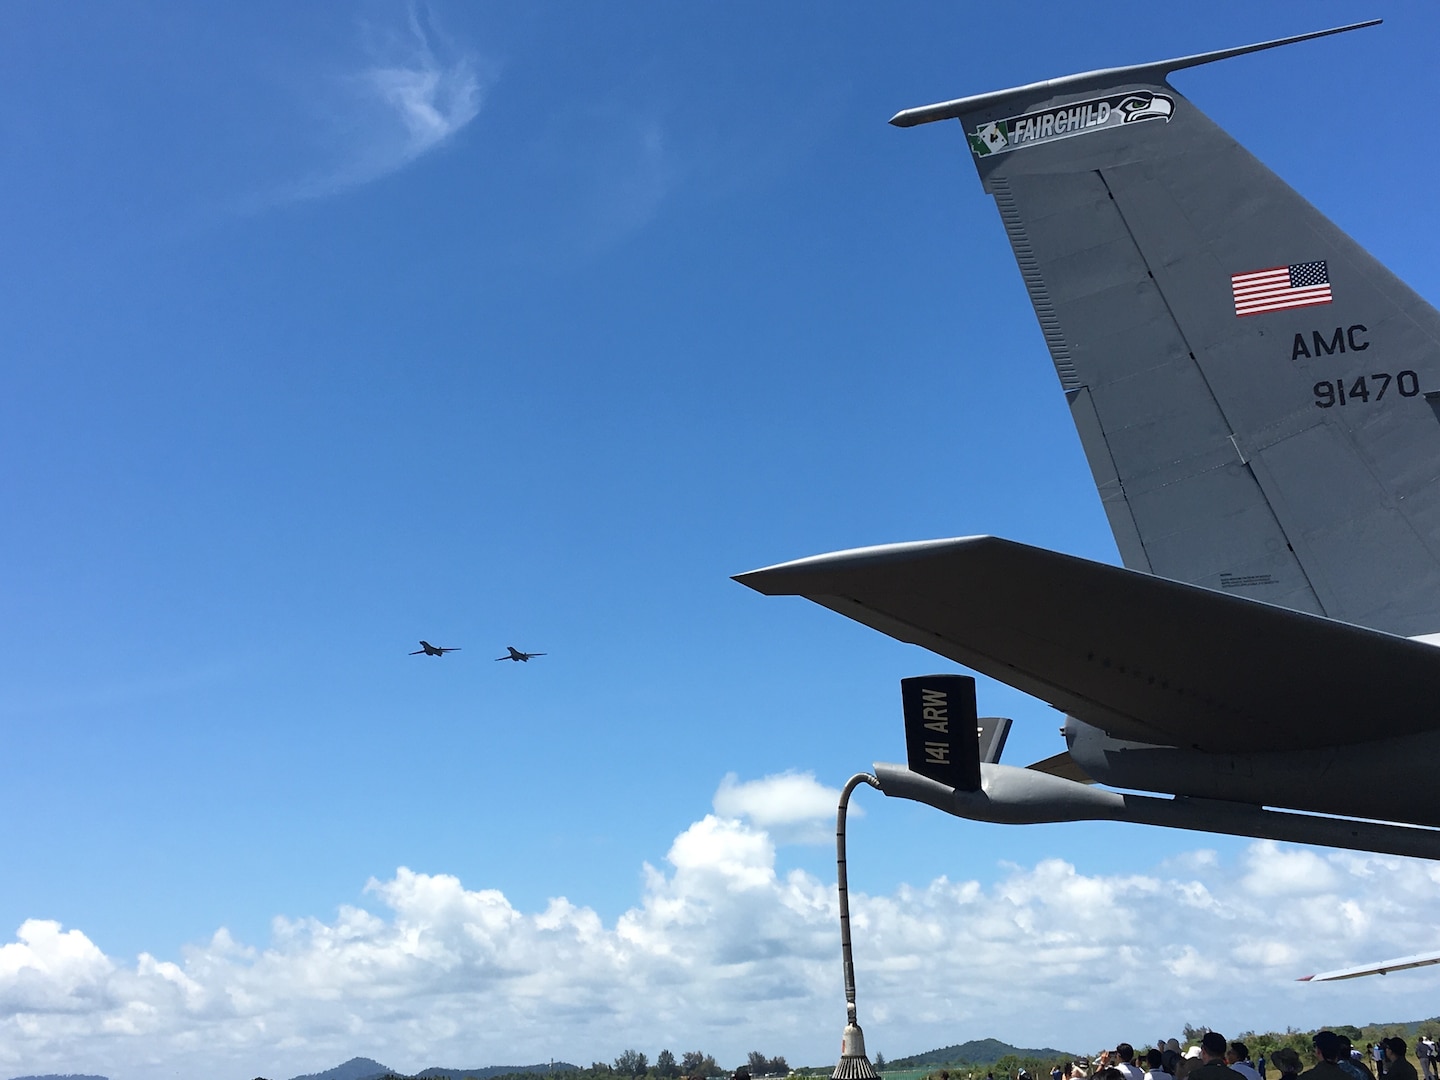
(330, 328)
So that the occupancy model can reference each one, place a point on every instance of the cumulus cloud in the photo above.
(1271, 871)
(793, 807)
(46, 970)
(726, 951)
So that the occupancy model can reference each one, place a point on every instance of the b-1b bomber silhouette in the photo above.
(516, 654)
(433, 650)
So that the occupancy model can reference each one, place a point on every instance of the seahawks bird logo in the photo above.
(1145, 107)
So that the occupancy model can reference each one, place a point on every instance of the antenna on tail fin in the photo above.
(953, 110)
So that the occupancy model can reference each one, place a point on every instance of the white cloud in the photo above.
(1273, 871)
(46, 970)
(416, 89)
(725, 951)
(794, 807)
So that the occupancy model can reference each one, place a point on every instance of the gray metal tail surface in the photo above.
(1249, 384)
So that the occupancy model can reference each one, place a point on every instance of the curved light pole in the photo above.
(854, 1065)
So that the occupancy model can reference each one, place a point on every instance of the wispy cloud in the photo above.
(595, 172)
(414, 89)
(724, 951)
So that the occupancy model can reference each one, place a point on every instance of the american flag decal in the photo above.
(1281, 287)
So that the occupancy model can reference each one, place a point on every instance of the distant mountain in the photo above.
(355, 1069)
(1413, 1027)
(975, 1052)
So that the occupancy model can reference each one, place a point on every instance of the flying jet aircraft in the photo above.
(1259, 402)
(516, 654)
(432, 650)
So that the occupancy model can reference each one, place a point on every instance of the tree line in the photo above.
(636, 1065)
(693, 1063)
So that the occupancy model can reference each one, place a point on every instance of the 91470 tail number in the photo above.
(1364, 388)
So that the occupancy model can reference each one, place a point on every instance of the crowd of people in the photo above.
(1214, 1058)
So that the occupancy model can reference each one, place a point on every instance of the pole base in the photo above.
(854, 1065)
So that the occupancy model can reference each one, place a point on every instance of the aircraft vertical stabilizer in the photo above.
(1249, 384)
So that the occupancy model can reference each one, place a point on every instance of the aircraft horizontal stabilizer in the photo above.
(1063, 766)
(1140, 657)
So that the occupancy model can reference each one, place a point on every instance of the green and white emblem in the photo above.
(991, 138)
